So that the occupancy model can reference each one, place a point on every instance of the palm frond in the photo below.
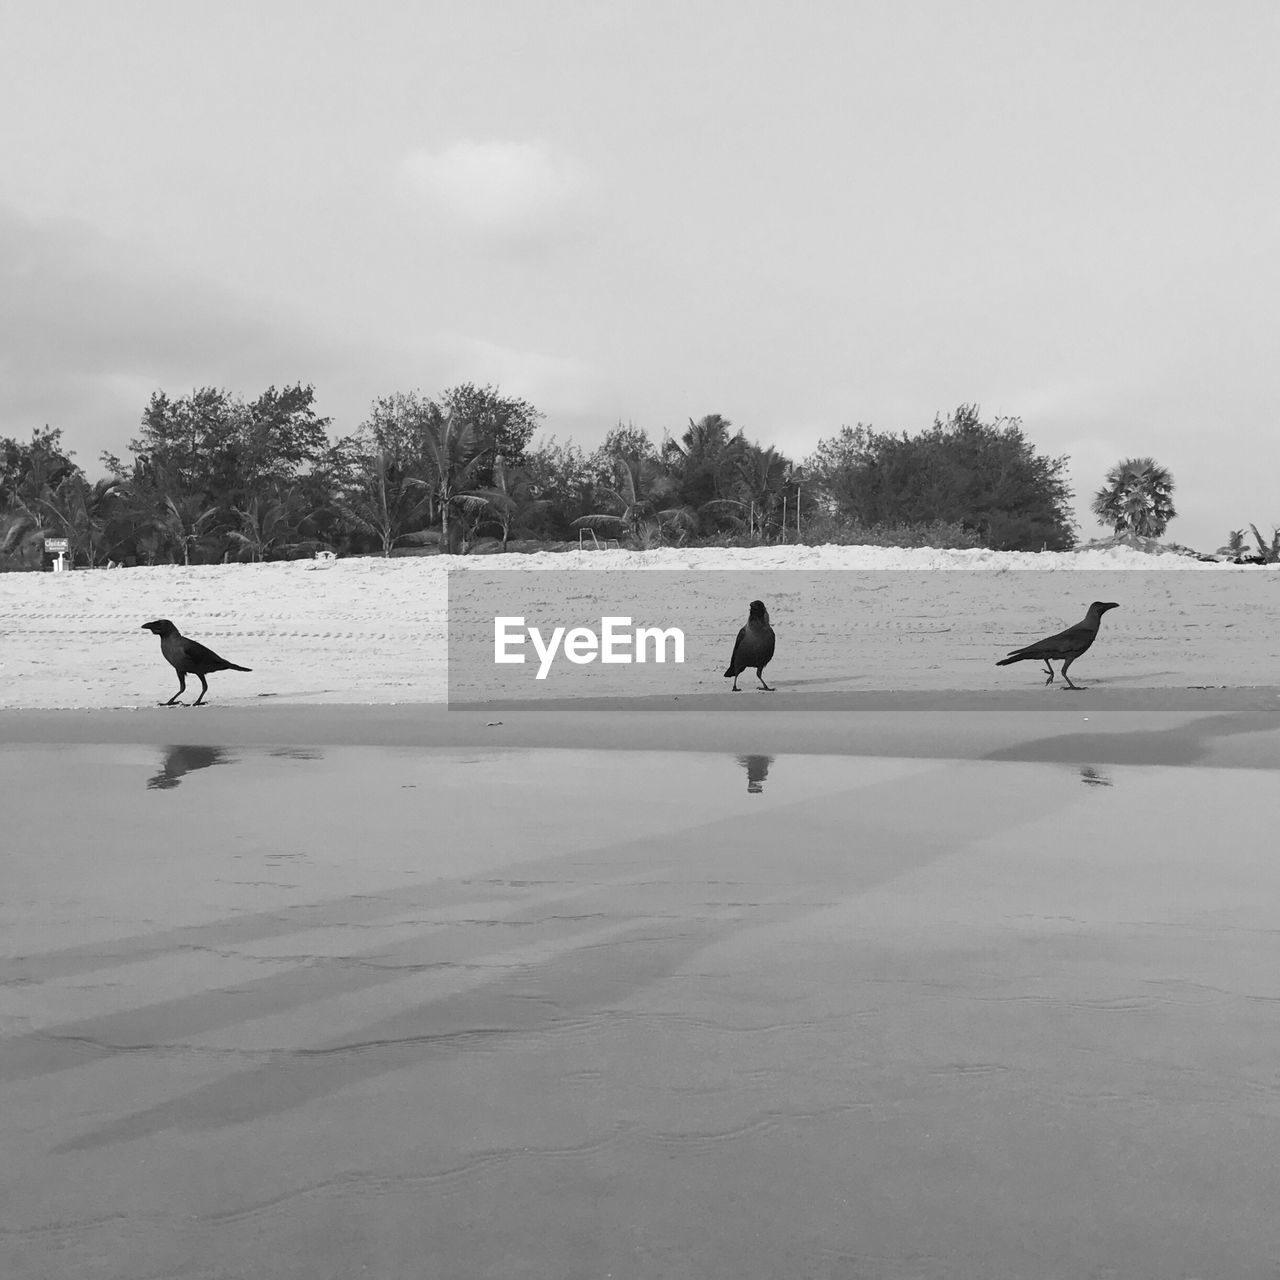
(1270, 552)
(470, 504)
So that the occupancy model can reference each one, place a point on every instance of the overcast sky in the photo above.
(796, 214)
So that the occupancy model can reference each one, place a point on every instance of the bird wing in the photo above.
(198, 655)
(767, 641)
(737, 649)
(1073, 640)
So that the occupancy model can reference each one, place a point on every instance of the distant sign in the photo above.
(58, 545)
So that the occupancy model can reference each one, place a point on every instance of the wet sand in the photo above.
(1232, 726)
(303, 992)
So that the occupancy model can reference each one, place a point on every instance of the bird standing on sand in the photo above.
(188, 658)
(1067, 645)
(753, 647)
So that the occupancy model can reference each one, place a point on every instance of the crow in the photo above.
(1067, 645)
(753, 647)
(188, 658)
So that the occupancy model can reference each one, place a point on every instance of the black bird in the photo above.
(188, 658)
(1067, 645)
(753, 647)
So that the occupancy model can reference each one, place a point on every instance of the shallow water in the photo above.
(343, 1011)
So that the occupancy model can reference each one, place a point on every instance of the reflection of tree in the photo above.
(757, 768)
(179, 761)
(1092, 778)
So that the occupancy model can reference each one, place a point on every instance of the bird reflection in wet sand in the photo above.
(757, 768)
(1092, 778)
(179, 761)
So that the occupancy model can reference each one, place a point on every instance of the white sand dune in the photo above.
(369, 630)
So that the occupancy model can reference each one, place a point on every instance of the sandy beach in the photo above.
(472, 922)
(877, 648)
(913, 968)
(849, 619)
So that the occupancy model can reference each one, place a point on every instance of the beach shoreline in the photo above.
(1225, 727)
(848, 623)
(398, 653)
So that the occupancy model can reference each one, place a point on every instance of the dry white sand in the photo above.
(373, 631)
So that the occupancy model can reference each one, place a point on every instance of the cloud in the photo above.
(95, 324)
(514, 191)
(73, 298)
(544, 379)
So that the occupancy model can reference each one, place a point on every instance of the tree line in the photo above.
(213, 476)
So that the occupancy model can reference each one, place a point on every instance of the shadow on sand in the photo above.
(1182, 744)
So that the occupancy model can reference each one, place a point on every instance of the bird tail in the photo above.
(730, 671)
(1004, 662)
(231, 666)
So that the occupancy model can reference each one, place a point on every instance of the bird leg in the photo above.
(735, 688)
(765, 687)
(1048, 666)
(204, 688)
(182, 688)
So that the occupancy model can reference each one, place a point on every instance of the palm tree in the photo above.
(701, 463)
(382, 501)
(1137, 498)
(268, 526)
(22, 537)
(454, 461)
(1269, 551)
(82, 512)
(642, 484)
(513, 499)
(185, 522)
(703, 442)
(755, 481)
(763, 473)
